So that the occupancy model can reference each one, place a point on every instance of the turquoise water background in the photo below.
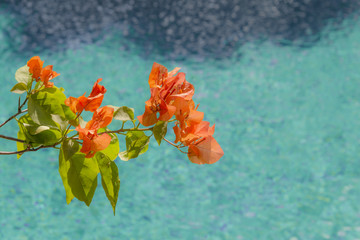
(287, 118)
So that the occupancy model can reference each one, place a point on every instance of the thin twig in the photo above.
(29, 149)
(19, 108)
(128, 130)
(170, 143)
(13, 116)
(178, 147)
(11, 138)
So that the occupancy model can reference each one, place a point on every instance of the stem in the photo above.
(67, 130)
(19, 108)
(178, 147)
(128, 129)
(29, 150)
(170, 143)
(11, 138)
(16, 114)
(13, 116)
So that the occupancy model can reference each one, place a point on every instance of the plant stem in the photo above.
(128, 129)
(11, 138)
(16, 114)
(29, 149)
(178, 147)
(13, 116)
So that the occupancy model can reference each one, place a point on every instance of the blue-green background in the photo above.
(287, 118)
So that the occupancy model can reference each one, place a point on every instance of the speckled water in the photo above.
(286, 117)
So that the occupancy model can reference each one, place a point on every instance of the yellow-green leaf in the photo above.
(123, 113)
(47, 102)
(67, 150)
(21, 145)
(36, 134)
(160, 130)
(79, 174)
(113, 149)
(19, 88)
(22, 75)
(109, 178)
(136, 144)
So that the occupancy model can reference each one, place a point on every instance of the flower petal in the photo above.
(207, 151)
(148, 118)
(35, 65)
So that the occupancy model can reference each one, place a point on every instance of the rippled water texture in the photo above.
(285, 100)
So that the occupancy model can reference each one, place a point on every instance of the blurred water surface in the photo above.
(286, 108)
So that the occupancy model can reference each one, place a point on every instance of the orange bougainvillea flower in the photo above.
(167, 92)
(203, 148)
(47, 74)
(206, 151)
(41, 74)
(192, 131)
(92, 142)
(35, 66)
(90, 103)
(159, 74)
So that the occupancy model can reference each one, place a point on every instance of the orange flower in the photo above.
(92, 142)
(90, 103)
(47, 74)
(41, 74)
(192, 131)
(206, 151)
(35, 66)
(203, 148)
(167, 92)
(159, 74)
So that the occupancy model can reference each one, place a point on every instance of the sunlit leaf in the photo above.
(37, 134)
(123, 113)
(67, 150)
(47, 102)
(79, 174)
(113, 149)
(20, 145)
(22, 75)
(160, 130)
(136, 144)
(109, 178)
(19, 88)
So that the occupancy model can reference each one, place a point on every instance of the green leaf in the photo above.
(113, 149)
(109, 178)
(67, 150)
(79, 174)
(19, 88)
(21, 135)
(160, 130)
(36, 134)
(61, 121)
(47, 102)
(22, 75)
(136, 144)
(123, 113)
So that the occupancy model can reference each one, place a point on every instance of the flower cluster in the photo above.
(41, 74)
(91, 149)
(171, 95)
(102, 117)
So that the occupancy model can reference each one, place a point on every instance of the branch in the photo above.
(13, 116)
(19, 112)
(178, 147)
(11, 138)
(128, 129)
(28, 150)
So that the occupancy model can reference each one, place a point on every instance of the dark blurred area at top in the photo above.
(205, 28)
